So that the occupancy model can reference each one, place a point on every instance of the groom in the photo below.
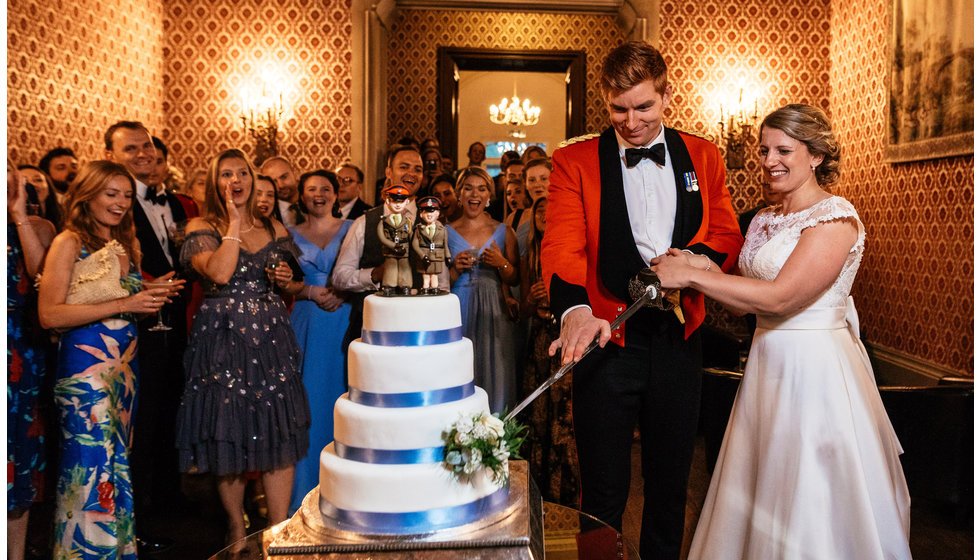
(616, 201)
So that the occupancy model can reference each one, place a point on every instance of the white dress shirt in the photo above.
(159, 216)
(346, 208)
(284, 211)
(651, 200)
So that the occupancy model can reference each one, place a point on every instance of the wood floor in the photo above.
(935, 535)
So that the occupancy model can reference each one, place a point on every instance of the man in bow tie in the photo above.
(616, 201)
(156, 213)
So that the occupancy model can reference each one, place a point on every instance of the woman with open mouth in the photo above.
(244, 406)
(485, 256)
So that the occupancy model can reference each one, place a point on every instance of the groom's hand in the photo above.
(577, 331)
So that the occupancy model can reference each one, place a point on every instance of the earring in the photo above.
(813, 169)
(487, 205)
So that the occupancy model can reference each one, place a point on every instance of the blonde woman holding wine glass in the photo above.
(244, 407)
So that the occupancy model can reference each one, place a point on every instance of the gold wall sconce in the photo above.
(736, 127)
(260, 117)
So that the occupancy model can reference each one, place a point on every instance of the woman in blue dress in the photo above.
(320, 318)
(485, 255)
(95, 389)
(28, 238)
(244, 407)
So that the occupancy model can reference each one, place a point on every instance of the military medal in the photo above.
(691, 182)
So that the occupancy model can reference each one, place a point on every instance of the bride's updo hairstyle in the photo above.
(809, 125)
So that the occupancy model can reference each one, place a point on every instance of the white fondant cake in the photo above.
(411, 377)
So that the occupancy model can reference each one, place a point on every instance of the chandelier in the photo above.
(515, 114)
(260, 118)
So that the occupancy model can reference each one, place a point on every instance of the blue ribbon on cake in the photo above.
(418, 521)
(411, 338)
(390, 456)
(406, 400)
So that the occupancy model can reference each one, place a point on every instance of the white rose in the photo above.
(494, 424)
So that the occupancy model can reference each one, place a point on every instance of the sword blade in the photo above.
(648, 296)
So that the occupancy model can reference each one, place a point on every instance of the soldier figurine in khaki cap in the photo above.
(395, 233)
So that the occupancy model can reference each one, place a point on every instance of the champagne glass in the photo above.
(160, 326)
(272, 262)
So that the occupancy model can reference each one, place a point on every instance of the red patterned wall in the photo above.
(416, 34)
(915, 288)
(74, 68)
(779, 49)
(214, 48)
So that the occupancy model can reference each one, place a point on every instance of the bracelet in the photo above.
(709, 263)
(119, 306)
(18, 224)
(306, 291)
(506, 265)
(231, 238)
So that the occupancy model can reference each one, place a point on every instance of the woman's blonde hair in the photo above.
(809, 125)
(215, 211)
(92, 179)
(480, 172)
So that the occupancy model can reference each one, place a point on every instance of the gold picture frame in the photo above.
(930, 80)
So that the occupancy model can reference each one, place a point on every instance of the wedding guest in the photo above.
(351, 180)
(601, 233)
(517, 201)
(536, 180)
(533, 152)
(320, 318)
(809, 466)
(62, 166)
(244, 407)
(96, 384)
(265, 197)
(28, 238)
(196, 188)
(444, 188)
(50, 208)
(485, 256)
(550, 445)
(281, 171)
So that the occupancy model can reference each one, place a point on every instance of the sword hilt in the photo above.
(650, 295)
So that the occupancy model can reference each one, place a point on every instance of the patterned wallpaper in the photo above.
(74, 68)
(778, 50)
(214, 48)
(915, 288)
(416, 34)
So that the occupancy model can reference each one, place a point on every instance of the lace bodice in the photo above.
(772, 237)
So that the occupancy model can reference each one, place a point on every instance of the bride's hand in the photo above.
(673, 269)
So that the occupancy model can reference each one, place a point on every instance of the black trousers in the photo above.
(160, 384)
(654, 381)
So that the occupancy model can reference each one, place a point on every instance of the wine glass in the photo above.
(272, 262)
(161, 326)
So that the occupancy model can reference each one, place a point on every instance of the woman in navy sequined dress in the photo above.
(244, 406)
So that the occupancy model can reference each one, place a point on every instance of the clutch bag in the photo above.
(95, 279)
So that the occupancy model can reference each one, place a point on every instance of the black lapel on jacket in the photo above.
(690, 210)
(154, 261)
(619, 259)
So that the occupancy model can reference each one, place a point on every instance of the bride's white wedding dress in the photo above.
(809, 467)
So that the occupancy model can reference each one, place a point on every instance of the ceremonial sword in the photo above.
(651, 295)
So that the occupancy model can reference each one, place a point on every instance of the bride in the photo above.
(809, 467)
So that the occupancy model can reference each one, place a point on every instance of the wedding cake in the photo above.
(411, 379)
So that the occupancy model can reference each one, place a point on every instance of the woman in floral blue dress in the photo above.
(27, 240)
(95, 388)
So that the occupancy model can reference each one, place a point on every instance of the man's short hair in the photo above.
(131, 125)
(45, 163)
(397, 149)
(357, 170)
(271, 159)
(630, 64)
(161, 146)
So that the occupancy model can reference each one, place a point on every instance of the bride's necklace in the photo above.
(250, 228)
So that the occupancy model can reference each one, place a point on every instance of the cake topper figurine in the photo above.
(395, 233)
(429, 244)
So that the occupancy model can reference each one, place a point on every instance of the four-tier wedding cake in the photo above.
(411, 379)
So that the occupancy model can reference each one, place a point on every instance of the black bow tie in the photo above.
(657, 153)
(152, 196)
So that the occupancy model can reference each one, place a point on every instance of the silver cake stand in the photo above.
(515, 532)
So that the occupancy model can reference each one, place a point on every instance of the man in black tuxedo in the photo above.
(153, 460)
(349, 196)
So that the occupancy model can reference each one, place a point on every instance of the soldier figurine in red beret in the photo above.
(429, 244)
(395, 233)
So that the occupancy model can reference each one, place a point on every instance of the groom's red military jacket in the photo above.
(588, 254)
